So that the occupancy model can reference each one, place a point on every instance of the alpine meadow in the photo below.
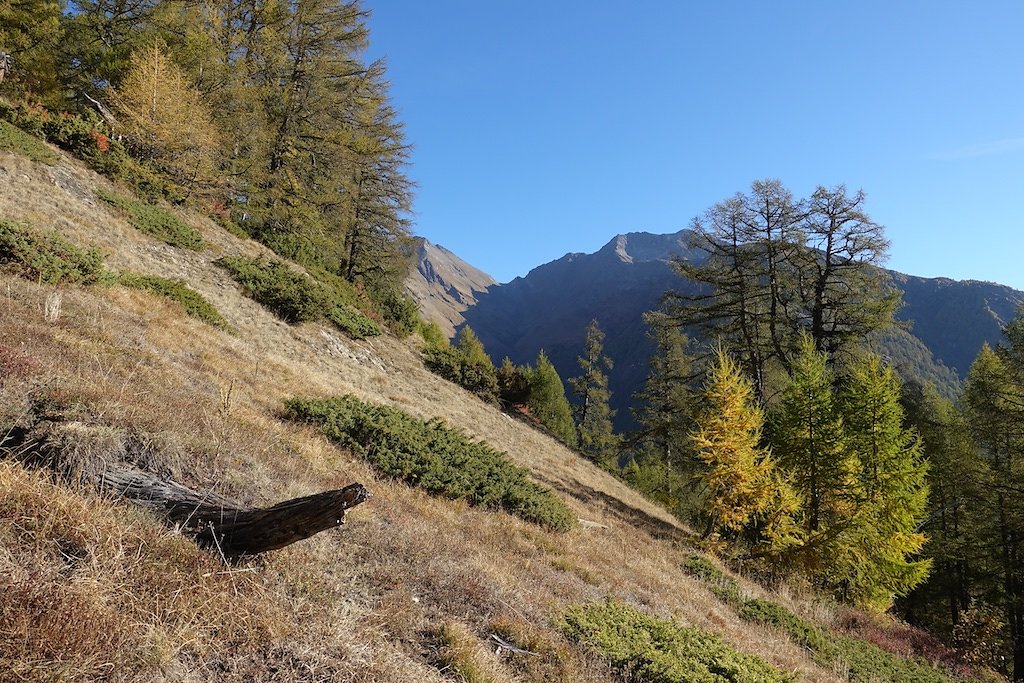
(256, 426)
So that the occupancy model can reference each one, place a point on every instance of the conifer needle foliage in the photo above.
(431, 455)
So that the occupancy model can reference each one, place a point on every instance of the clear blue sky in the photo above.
(542, 128)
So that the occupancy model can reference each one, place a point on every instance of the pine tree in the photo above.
(595, 434)
(513, 383)
(956, 479)
(737, 471)
(666, 403)
(547, 400)
(871, 561)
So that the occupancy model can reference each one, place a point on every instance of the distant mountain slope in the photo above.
(443, 285)
(549, 308)
(955, 318)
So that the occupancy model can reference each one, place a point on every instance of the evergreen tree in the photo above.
(663, 464)
(994, 395)
(871, 562)
(809, 441)
(547, 401)
(955, 479)
(513, 383)
(30, 33)
(595, 434)
(737, 471)
(478, 373)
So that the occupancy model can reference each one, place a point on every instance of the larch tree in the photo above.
(994, 396)
(737, 472)
(547, 401)
(767, 266)
(843, 292)
(30, 32)
(165, 121)
(809, 441)
(595, 433)
(876, 556)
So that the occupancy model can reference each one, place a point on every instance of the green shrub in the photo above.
(647, 649)
(86, 137)
(724, 587)
(194, 303)
(442, 460)
(353, 322)
(47, 257)
(866, 663)
(155, 221)
(295, 297)
(445, 361)
(290, 295)
(431, 333)
(466, 365)
(18, 141)
(400, 313)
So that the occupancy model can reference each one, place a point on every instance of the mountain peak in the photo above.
(640, 247)
(443, 285)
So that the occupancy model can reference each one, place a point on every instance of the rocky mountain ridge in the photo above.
(947, 320)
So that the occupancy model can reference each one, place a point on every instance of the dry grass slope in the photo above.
(93, 589)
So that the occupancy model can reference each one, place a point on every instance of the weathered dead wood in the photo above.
(217, 522)
(141, 468)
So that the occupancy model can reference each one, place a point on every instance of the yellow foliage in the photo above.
(165, 120)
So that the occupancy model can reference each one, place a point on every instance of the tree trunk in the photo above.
(218, 523)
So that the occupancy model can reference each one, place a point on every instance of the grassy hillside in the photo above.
(412, 587)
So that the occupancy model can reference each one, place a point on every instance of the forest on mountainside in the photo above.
(264, 115)
(782, 437)
(786, 437)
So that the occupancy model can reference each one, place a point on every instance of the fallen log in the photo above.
(218, 523)
(141, 469)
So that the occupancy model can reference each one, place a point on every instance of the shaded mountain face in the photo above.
(551, 306)
(443, 285)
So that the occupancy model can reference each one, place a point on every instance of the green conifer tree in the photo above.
(808, 439)
(595, 434)
(547, 400)
(994, 396)
(662, 464)
(478, 372)
(872, 560)
(956, 479)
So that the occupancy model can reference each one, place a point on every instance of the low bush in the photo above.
(352, 322)
(49, 258)
(155, 221)
(13, 139)
(295, 297)
(86, 137)
(428, 454)
(647, 649)
(465, 364)
(866, 663)
(194, 303)
(723, 586)
(399, 312)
